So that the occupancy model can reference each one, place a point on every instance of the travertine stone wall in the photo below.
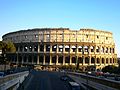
(61, 46)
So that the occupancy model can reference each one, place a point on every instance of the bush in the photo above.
(110, 69)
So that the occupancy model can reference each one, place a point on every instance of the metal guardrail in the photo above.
(12, 79)
(110, 83)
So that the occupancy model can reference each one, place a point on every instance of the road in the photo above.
(45, 80)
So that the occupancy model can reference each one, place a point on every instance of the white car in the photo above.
(74, 86)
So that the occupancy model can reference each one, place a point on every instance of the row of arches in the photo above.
(60, 59)
(67, 48)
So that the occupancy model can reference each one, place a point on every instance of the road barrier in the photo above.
(107, 82)
(13, 80)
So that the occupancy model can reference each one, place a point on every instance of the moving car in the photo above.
(64, 77)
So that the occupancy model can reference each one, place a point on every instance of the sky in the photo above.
(74, 14)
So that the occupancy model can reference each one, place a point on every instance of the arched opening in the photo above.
(47, 59)
(107, 60)
(80, 49)
(60, 47)
(30, 58)
(87, 60)
(103, 49)
(54, 48)
(35, 59)
(98, 60)
(92, 60)
(110, 60)
(110, 50)
(92, 48)
(41, 58)
(106, 49)
(73, 48)
(36, 48)
(60, 59)
(67, 48)
(47, 47)
(97, 49)
(80, 60)
(21, 48)
(25, 59)
(54, 59)
(86, 48)
(25, 48)
(73, 60)
(42, 47)
(20, 59)
(113, 50)
(113, 60)
(67, 59)
(30, 48)
(103, 60)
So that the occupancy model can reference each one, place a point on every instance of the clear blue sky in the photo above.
(73, 14)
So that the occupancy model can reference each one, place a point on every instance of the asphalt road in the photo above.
(45, 80)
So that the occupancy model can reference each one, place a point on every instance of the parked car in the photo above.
(2, 74)
(117, 78)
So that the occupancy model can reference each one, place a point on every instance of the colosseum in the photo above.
(62, 46)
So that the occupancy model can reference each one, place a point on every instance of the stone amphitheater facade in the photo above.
(62, 46)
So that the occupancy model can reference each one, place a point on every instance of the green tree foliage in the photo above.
(110, 69)
(7, 47)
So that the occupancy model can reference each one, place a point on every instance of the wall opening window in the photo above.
(35, 48)
(54, 48)
(26, 36)
(97, 36)
(48, 48)
(97, 49)
(48, 35)
(106, 49)
(106, 38)
(30, 48)
(113, 50)
(36, 36)
(103, 49)
(92, 48)
(80, 49)
(67, 48)
(25, 48)
(21, 48)
(86, 35)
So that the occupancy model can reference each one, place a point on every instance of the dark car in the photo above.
(2, 74)
(117, 78)
(64, 78)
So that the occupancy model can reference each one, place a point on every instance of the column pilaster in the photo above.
(56, 59)
(38, 59)
(63, 59)
(43, 59)
(50, 60)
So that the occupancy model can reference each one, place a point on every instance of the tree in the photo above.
(110, 69)
(6, 47)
